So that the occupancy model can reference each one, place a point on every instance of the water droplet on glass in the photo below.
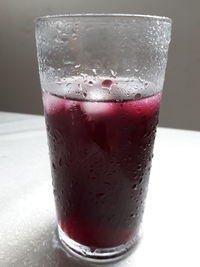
(113, 73)
(54, 166)
(134, 187)
(78, 92)
(68, 84)
(140, 181)
(68, 62)
(138, 96)
(74, 36)
(60, 162)
(64, 38)
(77, 66)
(106, 83)
(94, 71)
(139, 167)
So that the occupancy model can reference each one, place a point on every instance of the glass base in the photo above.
(96, 254)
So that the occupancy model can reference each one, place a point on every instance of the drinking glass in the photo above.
(102, 78)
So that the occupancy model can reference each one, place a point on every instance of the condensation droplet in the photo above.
(94, 71)
(106, 83)
(68, 84)
(134, 187)
(113, 73)
(138, 96)
(77, 66)
(140, 181)
(68, 62)
(60, 162)
(74, 36)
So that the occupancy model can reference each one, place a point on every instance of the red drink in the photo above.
(101, 157)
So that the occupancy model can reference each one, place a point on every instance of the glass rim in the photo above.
(105, 15)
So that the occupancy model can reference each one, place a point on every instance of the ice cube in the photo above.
(53, 104)
(97, 108)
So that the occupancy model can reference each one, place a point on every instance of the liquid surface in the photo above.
(100, 159)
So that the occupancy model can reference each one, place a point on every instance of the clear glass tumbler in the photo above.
(101, 77)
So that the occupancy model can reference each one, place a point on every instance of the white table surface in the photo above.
(171, 228)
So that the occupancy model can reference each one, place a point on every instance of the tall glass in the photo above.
(101, 77)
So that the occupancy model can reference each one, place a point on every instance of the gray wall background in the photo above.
(19, 81)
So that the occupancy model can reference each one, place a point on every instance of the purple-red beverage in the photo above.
(101, 157)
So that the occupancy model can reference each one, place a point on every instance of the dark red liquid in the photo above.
(101, 157)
